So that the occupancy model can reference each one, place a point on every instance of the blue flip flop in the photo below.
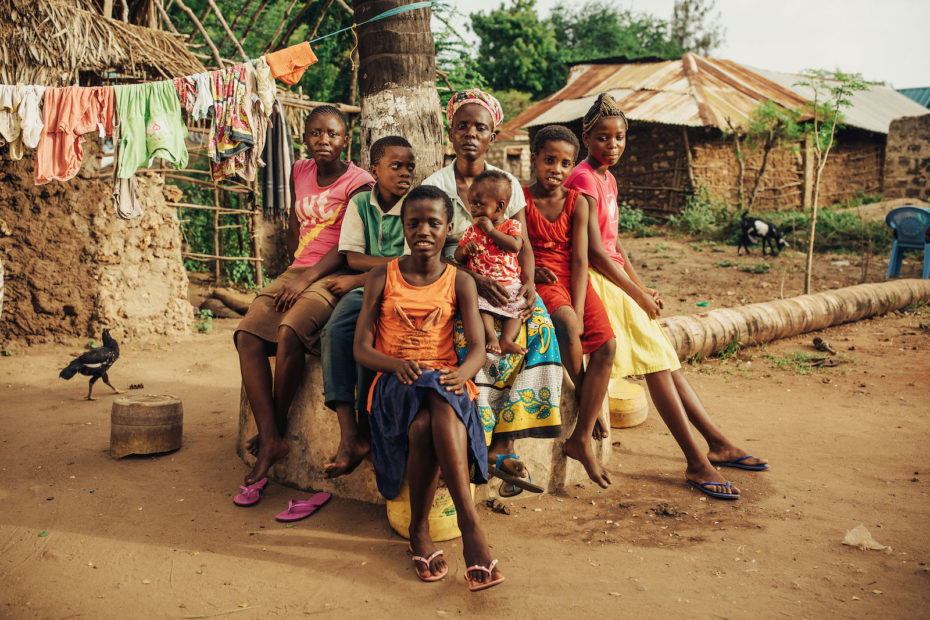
(739, 464)
(702, 487)
(522, 483)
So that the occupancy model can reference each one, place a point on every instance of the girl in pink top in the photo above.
(642, 347)
(286, 318)
(604, 189)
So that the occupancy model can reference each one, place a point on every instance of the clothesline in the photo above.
(238, 99)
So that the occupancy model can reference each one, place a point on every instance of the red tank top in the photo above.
(551, 241)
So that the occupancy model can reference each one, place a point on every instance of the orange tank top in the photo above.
(416, 321)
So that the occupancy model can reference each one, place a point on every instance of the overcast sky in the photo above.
(885, 40)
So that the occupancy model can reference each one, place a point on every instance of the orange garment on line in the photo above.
(416, 321)
(67, 114)
(289, 64)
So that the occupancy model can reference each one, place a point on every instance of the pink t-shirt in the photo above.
(320, 209)
(494, 262)
(585, 180)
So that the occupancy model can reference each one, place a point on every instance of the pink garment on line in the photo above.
(320, 209)
(67, 114)
(585, 180)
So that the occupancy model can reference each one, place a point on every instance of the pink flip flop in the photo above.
(250, 494)
(301, 509)
(426, 562)
(474, 585)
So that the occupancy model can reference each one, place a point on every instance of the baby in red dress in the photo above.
(489, 248)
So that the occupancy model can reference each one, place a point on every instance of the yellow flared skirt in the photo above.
(642, 346)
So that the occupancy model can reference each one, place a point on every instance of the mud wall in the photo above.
(716, 167)
(855, 165)
(907, 158)
(512, 156)
(73, 267)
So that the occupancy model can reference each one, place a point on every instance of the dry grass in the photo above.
(51, 42)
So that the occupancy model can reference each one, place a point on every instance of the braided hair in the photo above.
(604, 106)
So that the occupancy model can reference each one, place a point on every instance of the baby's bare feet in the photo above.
(509, 347)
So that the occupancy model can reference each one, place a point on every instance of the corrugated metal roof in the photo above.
(871, 109)
(920, 95)
(697, 92)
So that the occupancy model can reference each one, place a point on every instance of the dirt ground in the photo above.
(84, 535)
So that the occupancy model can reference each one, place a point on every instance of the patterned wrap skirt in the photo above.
(518, 395)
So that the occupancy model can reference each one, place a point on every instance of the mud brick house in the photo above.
(72, 267)
(680, 112)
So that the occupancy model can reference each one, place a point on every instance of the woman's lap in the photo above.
(519, 395)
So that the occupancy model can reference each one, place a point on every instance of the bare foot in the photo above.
(582, 452)
(349, 454)
(701, 474)
(600, 429)
(270, 452)
(509, 347)
(492, 345)
(476, 552)
(723, 454)
(422, 545)
(251, 446)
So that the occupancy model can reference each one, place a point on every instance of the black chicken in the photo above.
(95, 363)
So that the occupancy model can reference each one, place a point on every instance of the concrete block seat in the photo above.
(313, 434)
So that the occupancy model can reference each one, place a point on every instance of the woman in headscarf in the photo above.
(519, 394)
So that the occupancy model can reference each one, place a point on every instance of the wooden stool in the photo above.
(145, 424)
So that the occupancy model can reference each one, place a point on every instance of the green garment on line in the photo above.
(150, 125)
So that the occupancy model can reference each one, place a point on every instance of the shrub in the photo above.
(702, 214)
(633, 220)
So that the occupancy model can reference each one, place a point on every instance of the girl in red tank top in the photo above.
(422, 411)
(557, 227)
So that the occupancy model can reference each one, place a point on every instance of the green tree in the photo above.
(694, 28)
(601, 30)
(456, 65)
(257, 24)
(513, 102)
(518, 51)
(832, 91)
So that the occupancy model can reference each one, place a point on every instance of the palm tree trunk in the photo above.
(397, 87)
(709, 332)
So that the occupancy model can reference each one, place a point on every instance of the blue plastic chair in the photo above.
(911, 229)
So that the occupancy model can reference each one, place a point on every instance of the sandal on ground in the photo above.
(739, 464)
(475, 585)
(251, 494)
(507, 489)
(523, 483)
(301, 509)
(426, 562)
(703, 488)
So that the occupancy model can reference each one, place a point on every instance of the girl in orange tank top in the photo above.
(422, 411)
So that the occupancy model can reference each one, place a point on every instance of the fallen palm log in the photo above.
(710, 332)
(234, 299)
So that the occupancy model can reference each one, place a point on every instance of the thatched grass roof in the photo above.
(50, 42)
